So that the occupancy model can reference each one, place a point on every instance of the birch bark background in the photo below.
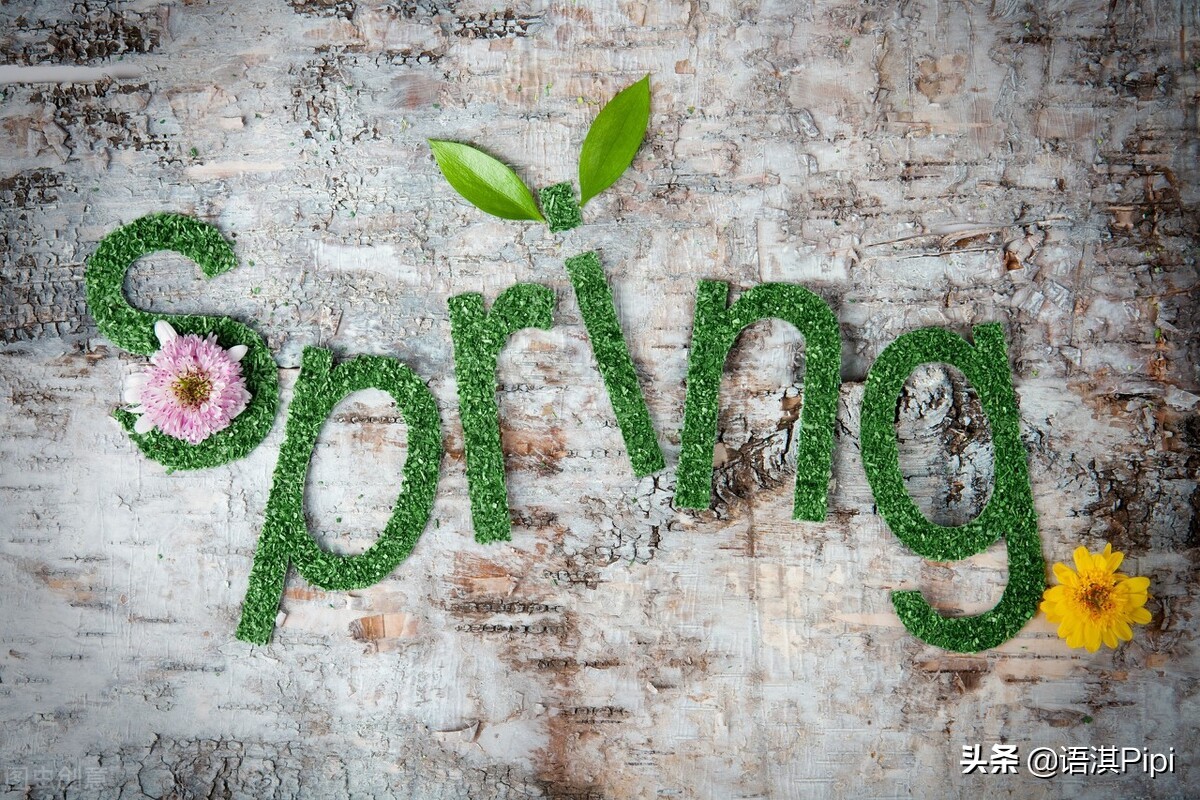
(914, 163)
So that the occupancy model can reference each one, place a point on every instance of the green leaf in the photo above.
(614, 139)
(485, 182)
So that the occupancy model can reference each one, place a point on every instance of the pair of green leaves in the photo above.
(608, 150)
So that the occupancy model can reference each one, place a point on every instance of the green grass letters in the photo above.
(285, 538)
(1009, 511)
(133, 330)
(479, 336)
(714, 331)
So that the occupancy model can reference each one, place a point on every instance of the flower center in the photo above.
(1096, 596)
(192, 389)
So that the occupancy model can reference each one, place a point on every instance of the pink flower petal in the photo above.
(165, 333)
(195, 387)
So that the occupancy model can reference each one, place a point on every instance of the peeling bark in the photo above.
(922, 163)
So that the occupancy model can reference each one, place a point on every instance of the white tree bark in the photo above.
(915, 163)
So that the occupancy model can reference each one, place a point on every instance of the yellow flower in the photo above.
(1097, 603)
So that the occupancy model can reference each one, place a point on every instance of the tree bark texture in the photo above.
(914, 163)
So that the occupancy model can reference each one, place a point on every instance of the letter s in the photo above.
(133, 330)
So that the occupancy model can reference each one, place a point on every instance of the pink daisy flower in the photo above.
(193, 388)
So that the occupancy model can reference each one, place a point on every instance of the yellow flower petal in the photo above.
(1141, 616)
(1091, 638)
(1083, 559)
(1055, 594)
(1136, 584)
(1124, 632)
(1065, 574)
(1114, 559)
(1110, 638)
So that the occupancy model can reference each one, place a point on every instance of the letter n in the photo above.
(715, 329)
